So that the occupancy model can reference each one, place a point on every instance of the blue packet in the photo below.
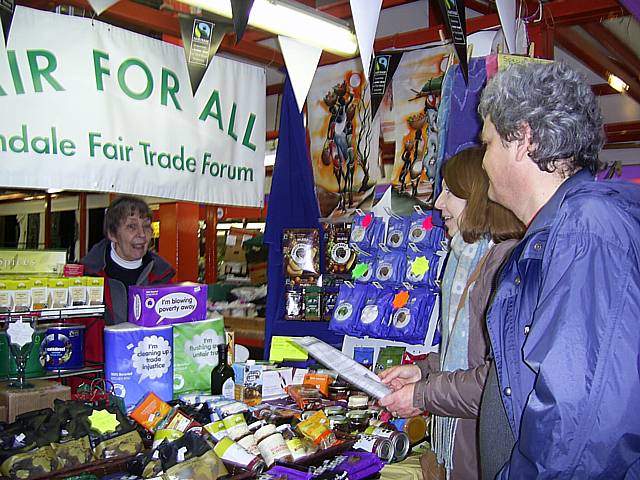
(370, 262)
(367, 231)
(375, 312)
(410, 323)
(423, 234)
(390, 267)
(426, 279)
(347, 310)
(398, 233)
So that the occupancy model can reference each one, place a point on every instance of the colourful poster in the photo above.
(344, 138)
(409, 116)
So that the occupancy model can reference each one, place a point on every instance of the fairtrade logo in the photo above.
(203, 30)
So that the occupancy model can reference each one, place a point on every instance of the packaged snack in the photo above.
(409, 323)
(39, 298)
(320, 381)
(316, 429)
(367, 231)
(21, 294)
(232, 453)
(348, 306)
(398, 233)
(293, 303)
(389, 357)
(312, 305)
(6, 296)
(375, 312)
(77, 291)
(95, 290)
(304, 396)
(390, 267)
(329, 297)
(423, 234)
(58, 289)
(339, 256)
(301, 250)
(150, 411)
(274, 448)
(365, 268)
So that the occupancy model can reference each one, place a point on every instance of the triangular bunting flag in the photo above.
(6, 13)
(454, 17)
(100, 6)
(240, 10)
(301, 61)
(507, 14)
(201, 39)
(384, 66)
(365, 15)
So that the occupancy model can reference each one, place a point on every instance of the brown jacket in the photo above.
(457, 394)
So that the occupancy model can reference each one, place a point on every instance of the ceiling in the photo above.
(597, 37)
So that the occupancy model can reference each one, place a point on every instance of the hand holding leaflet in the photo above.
(347, 368)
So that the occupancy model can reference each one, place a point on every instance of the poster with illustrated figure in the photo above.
(344, 139)
(409, 114)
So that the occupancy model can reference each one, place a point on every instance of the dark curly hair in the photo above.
(558, 106)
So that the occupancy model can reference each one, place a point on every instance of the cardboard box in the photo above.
(258, 273)
(42, 395)
(155, 305)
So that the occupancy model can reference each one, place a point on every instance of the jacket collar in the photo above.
(548, 212)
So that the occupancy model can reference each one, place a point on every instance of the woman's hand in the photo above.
(398, 377)
(400, 402)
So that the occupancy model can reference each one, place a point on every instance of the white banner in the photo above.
(88, 106)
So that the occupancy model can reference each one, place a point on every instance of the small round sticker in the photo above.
(343, 311)
(395, 238)
(384, 271)
(357, 234)
(341, 253)
(401, 318)
(369, 314)
(417, 233)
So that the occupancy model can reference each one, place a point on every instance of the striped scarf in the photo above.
(454, 348)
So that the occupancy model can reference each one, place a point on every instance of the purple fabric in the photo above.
(464, 122)
(633, 6)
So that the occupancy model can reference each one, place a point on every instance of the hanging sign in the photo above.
(88, 106)
(384, 66)
(454, 17)
(6, 12)
(201, 40)
(240, 10)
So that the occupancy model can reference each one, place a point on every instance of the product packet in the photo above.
(293, 303)
(410, 322)
(390, 267)
(150, 411)
(423, 234)
(367, 231)
(329, 298)
(39, 295)
(375, 312)
(312, 303)
(425, 272)
(389, 357)
(398, 233)
(340, 257)
(301, 251)
(58, 289)
(347, 310)
(364, 270)
(364, 356)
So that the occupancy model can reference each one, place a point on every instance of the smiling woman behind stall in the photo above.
(449, 384)
(123, 257)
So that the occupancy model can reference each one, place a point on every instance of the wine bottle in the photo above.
(222, 375)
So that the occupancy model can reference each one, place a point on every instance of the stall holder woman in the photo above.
(123, 258)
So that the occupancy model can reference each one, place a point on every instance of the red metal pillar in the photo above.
(82, 201)
(211, 244)
(47, 220)
(542, 35)
(179, 238)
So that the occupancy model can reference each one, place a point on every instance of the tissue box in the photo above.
(167, 304)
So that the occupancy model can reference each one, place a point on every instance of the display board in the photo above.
(88, 106)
